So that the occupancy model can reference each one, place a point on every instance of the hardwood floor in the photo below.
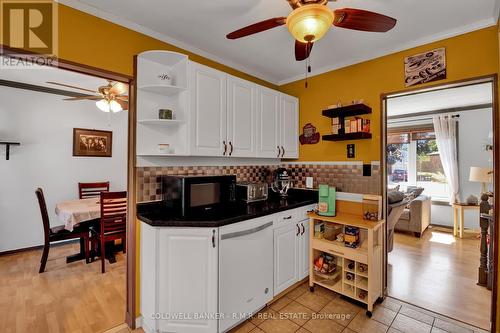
(439, 272)
(72, 297)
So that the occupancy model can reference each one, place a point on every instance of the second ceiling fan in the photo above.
(310, 20)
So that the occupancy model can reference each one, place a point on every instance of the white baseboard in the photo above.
(139, 322)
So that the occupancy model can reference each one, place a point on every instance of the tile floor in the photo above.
(325, 311)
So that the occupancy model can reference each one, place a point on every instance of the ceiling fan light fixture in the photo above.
(103, 105)
(310, 23)
(115, 106)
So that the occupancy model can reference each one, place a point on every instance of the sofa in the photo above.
(417, 217)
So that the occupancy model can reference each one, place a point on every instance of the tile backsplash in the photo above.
(346, 177)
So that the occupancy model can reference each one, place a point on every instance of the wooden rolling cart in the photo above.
(358, 274)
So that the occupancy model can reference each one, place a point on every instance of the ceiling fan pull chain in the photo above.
(306, 72)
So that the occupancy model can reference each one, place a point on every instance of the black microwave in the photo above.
(190, 196)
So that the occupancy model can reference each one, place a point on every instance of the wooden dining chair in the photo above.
(58, 233)
(113, 222)
(92, 190)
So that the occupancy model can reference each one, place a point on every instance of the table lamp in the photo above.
(481, 175)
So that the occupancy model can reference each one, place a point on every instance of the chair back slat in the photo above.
(92, 190)
(43, 212)
(113, 212)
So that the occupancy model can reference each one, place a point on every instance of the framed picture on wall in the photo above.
(425, 67)
(92, 143)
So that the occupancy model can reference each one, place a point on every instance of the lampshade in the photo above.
(481, 175)
(309, 23)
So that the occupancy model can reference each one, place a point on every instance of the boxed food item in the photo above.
(354, 126)
(319, 230)
(347, 126)
(366, 125)
(351, 236)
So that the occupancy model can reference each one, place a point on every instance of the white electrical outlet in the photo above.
(309, 182)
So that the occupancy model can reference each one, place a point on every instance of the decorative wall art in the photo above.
(425, 67)
(92, 143)
(309, 135)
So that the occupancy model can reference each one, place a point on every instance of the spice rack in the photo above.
(359, 270)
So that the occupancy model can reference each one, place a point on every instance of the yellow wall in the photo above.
(467, 56)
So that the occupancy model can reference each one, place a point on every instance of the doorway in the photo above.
(428, 264)
(42, 114)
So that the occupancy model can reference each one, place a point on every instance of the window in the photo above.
(413, 160)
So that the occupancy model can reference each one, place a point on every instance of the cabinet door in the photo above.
(303, 249)
(285, 257)
(241, 114)
(187, 284)
(208, 110)
(289, 121)
(268, 127)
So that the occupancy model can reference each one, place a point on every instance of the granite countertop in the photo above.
(157, 215)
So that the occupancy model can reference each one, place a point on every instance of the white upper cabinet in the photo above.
(268, 125)
(289, 122)
(241, 117)
(208, 111)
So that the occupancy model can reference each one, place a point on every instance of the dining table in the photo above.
(80, 212)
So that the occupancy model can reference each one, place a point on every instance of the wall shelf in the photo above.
(7, 145)
(348, 111)
(347, 136)
(162, 122)
(162, 89)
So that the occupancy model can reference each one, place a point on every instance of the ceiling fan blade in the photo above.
(302, 50)
(91, 97)
(358, 19)
(69, 86)
(118, 88)
(257, 27)
(124, 104)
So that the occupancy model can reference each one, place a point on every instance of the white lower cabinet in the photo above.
(291, 254)
(285, 257)
(182, 295)
(303, 249)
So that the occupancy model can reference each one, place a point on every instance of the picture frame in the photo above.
(425, 67)
(92, 143)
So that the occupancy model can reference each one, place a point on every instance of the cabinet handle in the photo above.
(279, 151)
(287, 217)
(303, 229)
(225, 148)
(230, 148)
(298, 230)
(283, 153)
(213, 238)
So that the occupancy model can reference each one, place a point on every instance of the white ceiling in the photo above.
(201, 26)
(441, 99)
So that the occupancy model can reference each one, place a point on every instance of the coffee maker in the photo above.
(281, 181)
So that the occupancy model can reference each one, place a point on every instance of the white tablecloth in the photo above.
(75, 211)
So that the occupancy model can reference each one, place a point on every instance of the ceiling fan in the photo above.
(110, 98)
(310, 20)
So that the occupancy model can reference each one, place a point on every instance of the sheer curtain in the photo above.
(445, 129)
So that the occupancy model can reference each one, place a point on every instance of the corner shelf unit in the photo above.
(154, 93)
(342, 113)
(359, 270)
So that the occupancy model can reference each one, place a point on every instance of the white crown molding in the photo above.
(330, 163)
(398, 48)
(91, 10)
